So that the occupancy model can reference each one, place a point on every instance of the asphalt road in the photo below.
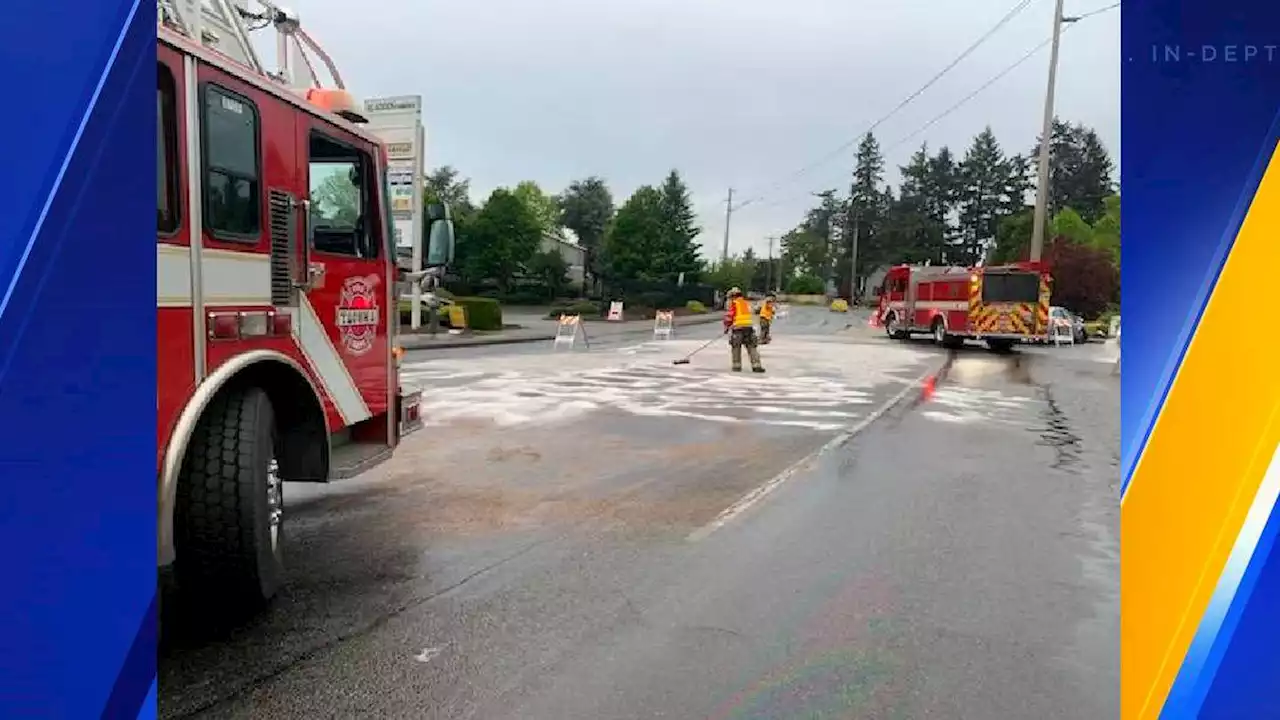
(569, 539)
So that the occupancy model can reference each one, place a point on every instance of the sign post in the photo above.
(397, 121)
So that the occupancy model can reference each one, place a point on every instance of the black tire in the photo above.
(226, 551)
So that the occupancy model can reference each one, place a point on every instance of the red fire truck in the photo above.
(276, 298)
(1000, 305)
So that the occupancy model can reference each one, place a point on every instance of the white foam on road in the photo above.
(816, 385)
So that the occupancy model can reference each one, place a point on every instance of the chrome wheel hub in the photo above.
(275, 502)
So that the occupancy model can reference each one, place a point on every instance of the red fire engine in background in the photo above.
(1000, 305)
(276, 297)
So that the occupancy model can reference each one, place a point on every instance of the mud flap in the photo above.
(410, 411)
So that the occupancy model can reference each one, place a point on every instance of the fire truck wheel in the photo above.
(892, 328)
(939, 332)
(230, 504)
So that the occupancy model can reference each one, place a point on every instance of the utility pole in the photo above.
(768, 270)
(1046, 138)
(728, 216)
(853, 253)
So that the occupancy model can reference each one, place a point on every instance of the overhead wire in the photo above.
(1013, 12)
(976, 92)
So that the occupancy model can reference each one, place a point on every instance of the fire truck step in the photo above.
(352, 459)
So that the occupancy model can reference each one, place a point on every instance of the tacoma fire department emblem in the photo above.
(358, 314)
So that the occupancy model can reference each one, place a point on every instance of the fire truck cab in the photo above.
(999, 305)
(277, 303)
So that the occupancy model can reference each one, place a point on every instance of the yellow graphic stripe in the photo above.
(1202, 465)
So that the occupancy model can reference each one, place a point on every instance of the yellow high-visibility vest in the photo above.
(741, 313)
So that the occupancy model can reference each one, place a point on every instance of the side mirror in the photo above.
(440, 239)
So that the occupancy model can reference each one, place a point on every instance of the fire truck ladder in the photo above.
(211, 20)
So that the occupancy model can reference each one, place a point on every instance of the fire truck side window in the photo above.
(341, 189)
(167, 203)
(232, 201)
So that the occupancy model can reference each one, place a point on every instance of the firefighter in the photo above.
(742, 332)
(767, 310)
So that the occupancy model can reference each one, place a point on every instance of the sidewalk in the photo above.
(540, 330)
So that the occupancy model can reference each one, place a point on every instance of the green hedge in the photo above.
(482, 313)
(694, 306)
(406, 313)
(585, 308)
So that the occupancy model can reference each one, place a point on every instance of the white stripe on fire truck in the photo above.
(934, 305)
(327, 363)
(228, 278)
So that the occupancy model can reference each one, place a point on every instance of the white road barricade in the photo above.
(568, 330)
(664, 324)
(615, 311)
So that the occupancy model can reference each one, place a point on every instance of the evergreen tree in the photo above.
(1080, 171)
(679, 250)
(992, 186)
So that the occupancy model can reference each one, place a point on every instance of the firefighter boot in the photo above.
(754, 354)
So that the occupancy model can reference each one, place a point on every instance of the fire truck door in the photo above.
(346, 250)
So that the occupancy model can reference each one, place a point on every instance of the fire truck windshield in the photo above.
(1010, 287)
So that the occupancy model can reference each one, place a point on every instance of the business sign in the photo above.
(400, 183)
(400, 103)
(397, 121)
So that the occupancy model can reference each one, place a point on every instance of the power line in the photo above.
(986, 85)
(1022, 5)
(995, 78)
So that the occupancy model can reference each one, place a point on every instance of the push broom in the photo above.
(685, 360)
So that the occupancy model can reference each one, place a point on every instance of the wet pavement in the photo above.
(555, 545)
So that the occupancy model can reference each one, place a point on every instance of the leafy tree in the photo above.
(804, 251)
(634, 238)
(737, 271)
(1067, 223)
(1106, 230)
(992, 186)
(543, 207)
(446, 185)
(586, 208)
(1080, 170)
(503, 237)
(678, 246)
(1084, 278)
(551, 271)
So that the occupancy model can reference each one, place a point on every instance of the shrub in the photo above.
(406, 313)
(806, 285)
(482, 313)
(585, 308)
(694, 306)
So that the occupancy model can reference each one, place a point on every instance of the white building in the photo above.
(564, 242)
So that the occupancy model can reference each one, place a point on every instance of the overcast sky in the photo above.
(733, 93)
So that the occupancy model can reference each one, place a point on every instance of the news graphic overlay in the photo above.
(1201, 392)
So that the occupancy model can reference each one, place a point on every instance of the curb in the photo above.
(922, 385)
(450, 344)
